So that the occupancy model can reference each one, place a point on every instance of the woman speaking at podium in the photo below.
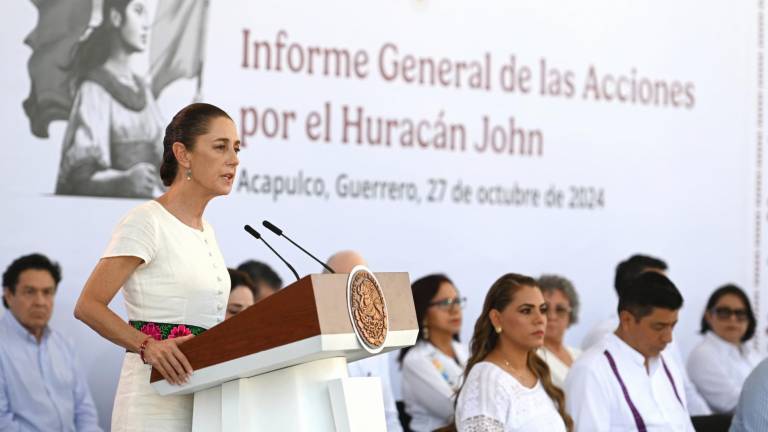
(165, 257)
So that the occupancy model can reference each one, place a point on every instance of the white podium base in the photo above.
(358, 404)
(315, 396)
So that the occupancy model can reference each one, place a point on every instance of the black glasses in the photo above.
(724, 313)
(559, 311)
(449, 303)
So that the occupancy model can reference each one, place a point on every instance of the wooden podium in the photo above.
(281, 364)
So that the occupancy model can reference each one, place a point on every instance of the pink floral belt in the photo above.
(161, 331)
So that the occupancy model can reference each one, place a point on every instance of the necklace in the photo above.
(522, 376)
(512, 370)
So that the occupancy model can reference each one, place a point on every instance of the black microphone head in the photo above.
(252, 231)
(268, 225)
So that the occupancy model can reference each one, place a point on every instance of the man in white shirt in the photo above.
(374, 366)
(625, 272)
(624, 382)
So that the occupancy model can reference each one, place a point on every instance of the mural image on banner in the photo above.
(113, 145)
(431, 136)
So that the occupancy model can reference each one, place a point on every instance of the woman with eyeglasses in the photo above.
(431, 369)
(721, 362)
(563, 312)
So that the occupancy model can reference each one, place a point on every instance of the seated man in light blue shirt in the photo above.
(752, 409)
(42, 386)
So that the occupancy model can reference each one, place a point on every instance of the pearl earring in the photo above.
(189, 174)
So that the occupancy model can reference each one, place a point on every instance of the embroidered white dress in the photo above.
(494, 401)
(183, 280)
(557, 368)
(430, 380)
(719, 369)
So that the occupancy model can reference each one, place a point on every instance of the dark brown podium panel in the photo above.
(315, 306)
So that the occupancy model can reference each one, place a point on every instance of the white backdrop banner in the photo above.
(473, 139)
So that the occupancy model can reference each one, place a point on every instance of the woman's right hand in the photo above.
(142, 178)
(167, 358)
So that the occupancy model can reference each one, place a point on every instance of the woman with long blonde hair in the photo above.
(508, 387)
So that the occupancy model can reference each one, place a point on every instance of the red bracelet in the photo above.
(142, 347)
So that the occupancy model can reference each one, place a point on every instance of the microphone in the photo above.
(256, 234)
(268, 225)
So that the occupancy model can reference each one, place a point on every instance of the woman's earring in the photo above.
(425, 331)
(189, 174)
(498, 330)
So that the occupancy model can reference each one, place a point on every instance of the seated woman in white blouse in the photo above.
(508, 386)
(431, 369)
(721, 362)
(562, 312)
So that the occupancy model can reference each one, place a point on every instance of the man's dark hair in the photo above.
(738, 292)
(633, 266)
(261, 273)
(647, 291)
(33, 261)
